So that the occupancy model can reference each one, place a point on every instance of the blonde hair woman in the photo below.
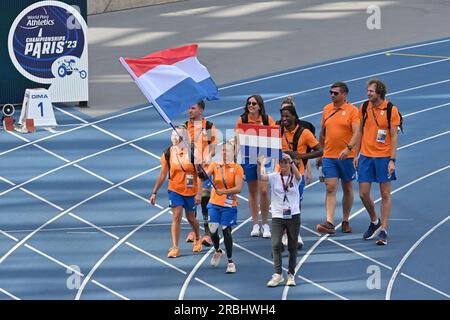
(183, 187)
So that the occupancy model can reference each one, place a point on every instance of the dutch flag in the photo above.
(257, 140)
(172, 79)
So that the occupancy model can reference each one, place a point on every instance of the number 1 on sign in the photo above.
(41, 106)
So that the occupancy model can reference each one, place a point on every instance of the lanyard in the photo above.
(199, 133)
(336, 111)
(223, 177)
(179, 162)
(287, 141)
(375, 117)
(286, 186)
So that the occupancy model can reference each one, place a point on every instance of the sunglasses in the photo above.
(252, 103)
(334, 93)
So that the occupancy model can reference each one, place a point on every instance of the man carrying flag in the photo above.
(173, 80)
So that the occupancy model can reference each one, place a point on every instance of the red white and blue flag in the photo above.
(172, 79)
(257, 140)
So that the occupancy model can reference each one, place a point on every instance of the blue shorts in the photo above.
(374, 170)
(226, 216)
(335, 168)
(250, 171)
(187, 202)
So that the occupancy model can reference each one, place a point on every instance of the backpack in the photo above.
(389, 114)
(208, 127)
(295, 140)
(265, 119)
(167, 157)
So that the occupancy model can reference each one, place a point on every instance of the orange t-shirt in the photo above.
(306, 140)
(338, 129)
(178, 174)
(230, 171)
(252, 120)
(369, 145)
(199, 136)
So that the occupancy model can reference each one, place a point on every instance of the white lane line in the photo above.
(376, 261)
(9, 294)
(216, 289)
(206, 255)
(331, 63)
(64, 166)
(286, 270)
(8, 235)
(99, 229)
(108, 133)
(423, 140)
(62, 264)
(349, 249)
(347, 81)
(155, 257)
(323, 238)
(406, 256)
(73, 129)
(54, 260)
(427, 109)
(426, 285)
(111, 250)
(92, 225)
(25, 239)
(110, 290)
(85, 170)
(220, 113)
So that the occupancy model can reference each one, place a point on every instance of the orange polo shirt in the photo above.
(177, 179)
(230, 172)
(338, 129)
(199, 136)
(306, 140)
(252, 120)
(369, 145)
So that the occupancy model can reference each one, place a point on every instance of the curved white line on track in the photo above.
(363, 209)
(406, 256)
(106, 255)
(25, 239)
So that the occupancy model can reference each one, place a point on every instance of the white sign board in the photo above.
(37, 105)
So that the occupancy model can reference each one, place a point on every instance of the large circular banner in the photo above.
(47, 44)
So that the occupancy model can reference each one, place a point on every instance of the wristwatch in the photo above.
(393, 159)
(349, 147)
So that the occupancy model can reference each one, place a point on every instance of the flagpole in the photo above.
(159, 110)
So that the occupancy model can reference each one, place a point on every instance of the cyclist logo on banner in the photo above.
(48, 44)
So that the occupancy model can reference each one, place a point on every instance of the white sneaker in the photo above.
(300, 242)
(255, 231)
(231, 267)
(216, 258)
(266, 231)
(276, 280)
(290, 280)
(284, 240)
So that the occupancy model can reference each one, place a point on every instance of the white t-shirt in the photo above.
(277, 195)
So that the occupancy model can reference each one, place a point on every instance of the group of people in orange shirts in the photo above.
(352, 142)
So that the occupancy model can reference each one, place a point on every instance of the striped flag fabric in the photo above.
(257, 140)
(172, 79)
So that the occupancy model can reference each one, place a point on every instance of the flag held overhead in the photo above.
(172, 79)
(257, 140)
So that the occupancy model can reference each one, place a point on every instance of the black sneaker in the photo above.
(372, 231)
(326, 227)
